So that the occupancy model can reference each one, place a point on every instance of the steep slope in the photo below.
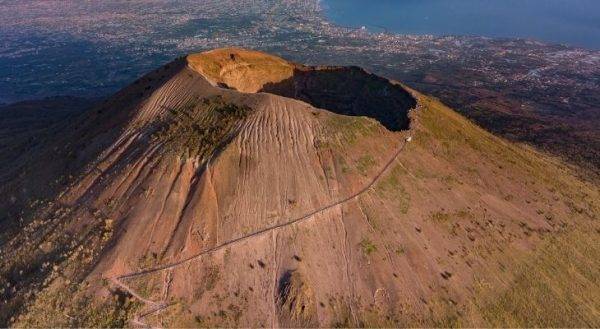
(232, 188)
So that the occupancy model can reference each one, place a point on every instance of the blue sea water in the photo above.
(571, 22)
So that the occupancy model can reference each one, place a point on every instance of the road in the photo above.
(156, 307)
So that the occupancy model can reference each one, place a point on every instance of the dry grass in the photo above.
(364, 164)
(348, 130)
(460, 139)
(367, 246)
(558, 283)
(65, 304)
(557, 286)
(390, 188)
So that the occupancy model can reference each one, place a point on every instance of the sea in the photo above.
(569, 22)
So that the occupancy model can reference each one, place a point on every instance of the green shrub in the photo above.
(368, 247)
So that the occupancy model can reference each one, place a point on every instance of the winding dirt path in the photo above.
(156, 307)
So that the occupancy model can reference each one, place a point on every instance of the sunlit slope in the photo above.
(207, 206)
(522, 216)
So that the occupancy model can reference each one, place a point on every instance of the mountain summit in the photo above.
(234, 188)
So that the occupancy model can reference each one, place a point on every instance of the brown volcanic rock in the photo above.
(232, 188)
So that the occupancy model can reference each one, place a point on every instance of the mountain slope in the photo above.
(232, 188)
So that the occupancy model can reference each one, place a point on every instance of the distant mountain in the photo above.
(234, 188)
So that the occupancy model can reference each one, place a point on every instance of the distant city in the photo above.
(91, 49)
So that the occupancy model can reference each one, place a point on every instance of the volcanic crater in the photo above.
(232, 188)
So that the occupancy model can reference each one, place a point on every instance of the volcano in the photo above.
(234, 188)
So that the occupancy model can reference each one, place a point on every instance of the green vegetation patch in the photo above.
(65, 304)
(557, 286)
(444, 217)
(148, 286)
(211, 277)
(390, 189)
(365, 163)
(350, 129)
(200, 127)
(440, 217)
(367, 246)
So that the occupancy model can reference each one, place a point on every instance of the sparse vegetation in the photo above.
(296, 301)
(211, 277)
(390, 189)
(367, 246)
(146, 286)
(148, 260)
(451, 219)
(400, 251)
(200, 127)
(65, 304)
(365, 163)
(553, 283)
(450, 181)
(348, 130)
(440, 217)
(558, 286)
